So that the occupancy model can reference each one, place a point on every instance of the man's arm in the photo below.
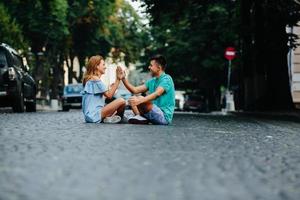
(133, 89)
(134, 101)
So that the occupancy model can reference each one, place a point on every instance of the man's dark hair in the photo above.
(161, 60)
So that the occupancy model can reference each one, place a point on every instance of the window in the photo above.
(3, 61)
(73, 89)
(17, 61)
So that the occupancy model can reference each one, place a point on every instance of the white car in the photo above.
(179, 99)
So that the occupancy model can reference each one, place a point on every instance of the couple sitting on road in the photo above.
(156, 108)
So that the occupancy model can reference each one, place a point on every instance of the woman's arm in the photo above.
(119, 74)
(110, 93)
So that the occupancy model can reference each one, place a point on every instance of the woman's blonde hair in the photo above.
(91, 68)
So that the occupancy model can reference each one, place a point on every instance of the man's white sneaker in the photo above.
(112, 120)
(128, 114)
(138, 119)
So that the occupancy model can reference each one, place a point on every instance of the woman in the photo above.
(95, 91)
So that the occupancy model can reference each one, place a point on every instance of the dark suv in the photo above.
(17, 87)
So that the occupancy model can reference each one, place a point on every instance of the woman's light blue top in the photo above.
(93, 100)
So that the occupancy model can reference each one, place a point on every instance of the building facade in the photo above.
(294, 68)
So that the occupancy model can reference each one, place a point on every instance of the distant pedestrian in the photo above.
(95, 91)
(158, 106)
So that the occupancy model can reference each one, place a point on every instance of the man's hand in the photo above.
(134, 100)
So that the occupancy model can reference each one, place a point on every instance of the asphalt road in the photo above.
(55, 155)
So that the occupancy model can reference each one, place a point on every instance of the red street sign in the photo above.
(230, 53)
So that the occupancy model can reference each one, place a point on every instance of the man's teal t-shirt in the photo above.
(166, 102)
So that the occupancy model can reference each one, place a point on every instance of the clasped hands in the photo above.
(134, 100)
(120, 73)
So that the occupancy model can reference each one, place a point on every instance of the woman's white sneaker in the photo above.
(112, 120)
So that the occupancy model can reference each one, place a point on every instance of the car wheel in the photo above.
(18, 105)
(31, 106)
(66, 108)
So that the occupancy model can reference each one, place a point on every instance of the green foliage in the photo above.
(62, 29)
(86, 20)
(11, 32)
(43, 22)
(193, 36)
(96, 26)
(58, 28)
(126, 31)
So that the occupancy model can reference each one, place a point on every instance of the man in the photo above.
(158, 106)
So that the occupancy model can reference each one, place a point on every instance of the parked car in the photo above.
(17, 87)
(194, 102)
(72, 97)
(179, 99)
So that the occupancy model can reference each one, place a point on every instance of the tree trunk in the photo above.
(247, 63)
(81, 65)
(70, 66)
(278, 87)
(56, 63)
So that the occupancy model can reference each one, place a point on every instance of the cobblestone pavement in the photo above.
(55, 155)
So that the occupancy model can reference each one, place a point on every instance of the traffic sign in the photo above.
(230, 53)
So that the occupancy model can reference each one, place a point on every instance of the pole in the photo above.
(229, 96)
(229, 73)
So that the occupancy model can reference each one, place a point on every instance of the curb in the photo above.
(279, 115)
(46, 108)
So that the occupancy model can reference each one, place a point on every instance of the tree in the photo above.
(265, 48)
(96, 26)
(11, 32)
(86, 22)
(44, 26)
(193, 35)
(126, 30)
(60, 30)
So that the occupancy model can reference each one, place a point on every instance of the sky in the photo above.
(136, 5)
(141, 11)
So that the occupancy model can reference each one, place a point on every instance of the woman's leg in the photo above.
(116, 105)
(121, 109)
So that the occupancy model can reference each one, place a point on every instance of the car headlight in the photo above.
(11, 73)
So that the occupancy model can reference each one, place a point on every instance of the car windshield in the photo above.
(73, 89)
